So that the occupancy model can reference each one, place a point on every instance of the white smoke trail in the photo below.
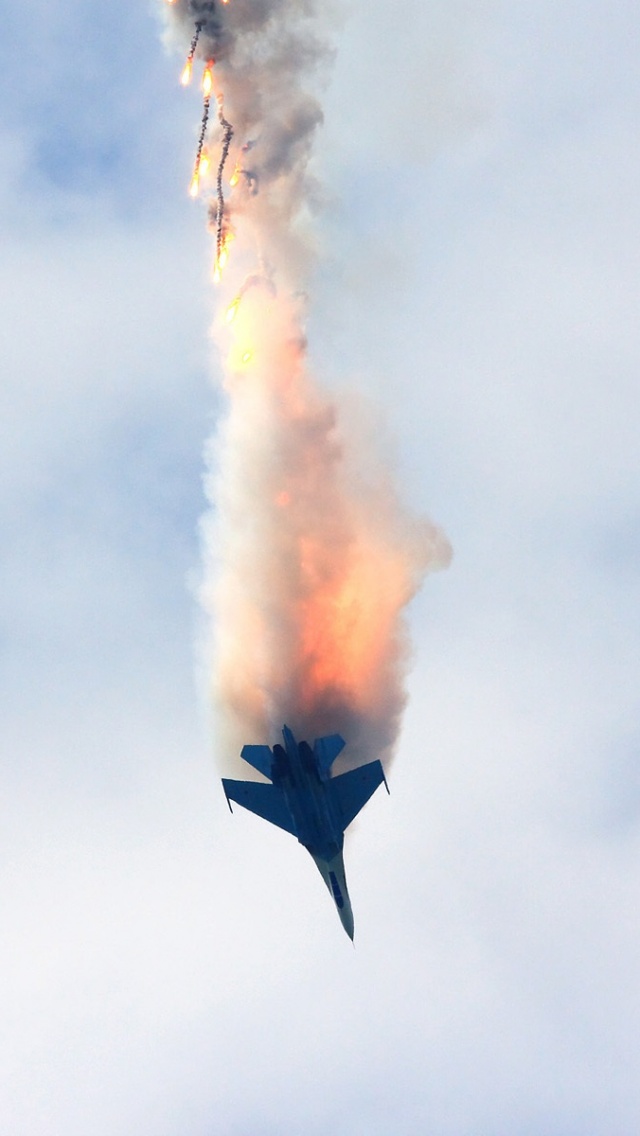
(310, 563)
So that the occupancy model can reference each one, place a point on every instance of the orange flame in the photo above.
(207, 80)
(185, 78)
(341, 647)
(195, 184)
(235, 177)
(205, 162)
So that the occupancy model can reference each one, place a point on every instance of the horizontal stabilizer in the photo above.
(350, 791)
(260, 757)
(266, 801)
(326, 750)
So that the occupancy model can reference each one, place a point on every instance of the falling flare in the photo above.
(222, 257)
(220, 261)
(200, 152)
(207, 80)
(202, 160)
(235, 177)
(185, 78)
(232, 310)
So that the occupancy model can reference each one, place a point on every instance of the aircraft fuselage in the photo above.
(304, 799)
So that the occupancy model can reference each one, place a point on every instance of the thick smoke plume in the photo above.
(311, 560)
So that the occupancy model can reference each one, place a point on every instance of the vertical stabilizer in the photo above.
(326, 750)
(260, 757)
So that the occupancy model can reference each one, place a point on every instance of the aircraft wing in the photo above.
(350, 791)
(267, 801)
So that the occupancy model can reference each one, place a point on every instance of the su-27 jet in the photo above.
(305, 800)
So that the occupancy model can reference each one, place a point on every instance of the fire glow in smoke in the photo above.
(310, 561)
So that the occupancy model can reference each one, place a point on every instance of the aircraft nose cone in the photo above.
(332, 872)
(346, 918)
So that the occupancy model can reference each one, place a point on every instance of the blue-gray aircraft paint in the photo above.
(305, 800)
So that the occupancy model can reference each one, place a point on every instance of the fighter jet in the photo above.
(305, 800)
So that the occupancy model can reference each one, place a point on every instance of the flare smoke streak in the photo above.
(311, 561)
(224, 154)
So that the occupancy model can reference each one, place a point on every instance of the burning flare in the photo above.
(185, 78)
(232, 310)
(222, 256)
(207, 80)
